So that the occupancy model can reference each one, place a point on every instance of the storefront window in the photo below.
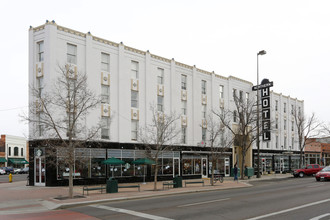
(97, 168)
(82, 165)
(197, 166)
(167, 166)
(187, 166)
(127, 168)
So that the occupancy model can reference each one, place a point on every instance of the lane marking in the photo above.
(315, 185)
(130, 212)
(320, 217)
(289, 210)
(199, 203)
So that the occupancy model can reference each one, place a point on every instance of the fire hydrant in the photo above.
(10, 178)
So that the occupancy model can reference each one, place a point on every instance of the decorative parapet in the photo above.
(105, 41)
(160, 58)
(238, 79)
(203, 71)
(135, 50)
(39, 28)
(70, 31)
(184, 65)
(221, 77)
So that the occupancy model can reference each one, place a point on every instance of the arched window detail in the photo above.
(15, 151)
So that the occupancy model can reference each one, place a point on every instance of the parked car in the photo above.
(324, 174)
(2, 172)
(309, 170)
(17, 170)
(24, 170)
(8, 170)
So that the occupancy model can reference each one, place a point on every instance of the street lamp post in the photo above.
(262, 52)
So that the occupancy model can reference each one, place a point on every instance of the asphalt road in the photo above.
(16, 177)
(293, 198)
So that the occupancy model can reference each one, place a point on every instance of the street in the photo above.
(292, 198)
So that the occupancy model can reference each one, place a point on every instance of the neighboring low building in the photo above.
(317, 150)
(13, 151)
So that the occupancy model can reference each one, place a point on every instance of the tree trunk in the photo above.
(242, 168)
(212, 173)
(71, 181)
(155, 180)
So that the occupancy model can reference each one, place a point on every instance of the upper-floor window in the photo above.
(292, 108)
(184, 82)
(134, 129)
(134, 70)
(292, 143)
(203, 87)
(22, 152)
(234, 93)
(160, 103)
(105, 94)
(105, 128)
(105, 62)
(292, 125)
(71, 53)
(276, 142)
(247, 97)
(40, 48)
(221, 92)
(134, 99)
(276, 105)
(203, 134)
(235, 116)
(276, 123)
(160, 76)
(184, 107)
(15, 151)
(203, 111)
(241, 95)
(284, 124)
(9, 151)
(284, 107)
(299, 111)
(40, 85)
(183, 135)
(284, 142)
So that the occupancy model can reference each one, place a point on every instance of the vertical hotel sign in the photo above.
(265, 107)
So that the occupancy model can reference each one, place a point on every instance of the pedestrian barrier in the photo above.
(168, 184)
(87, 189)
(193, 182)
(130, 186)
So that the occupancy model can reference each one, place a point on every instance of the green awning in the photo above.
(3, 160)
(18, 160)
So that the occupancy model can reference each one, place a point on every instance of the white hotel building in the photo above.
(129, 81)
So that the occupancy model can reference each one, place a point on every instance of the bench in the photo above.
(168, 184)
(129, 186)
(193, 182)
(91, 188)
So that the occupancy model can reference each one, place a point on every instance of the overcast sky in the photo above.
(221, 36)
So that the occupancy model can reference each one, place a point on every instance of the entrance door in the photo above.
(39, 171)
(281, 165)
(204, 167)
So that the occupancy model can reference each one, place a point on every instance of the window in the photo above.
(39, 125)
(184, 107)
(203, 111)
(247, 97)
(134, 99)
(105, 127)
(183, 82)
(221, 92)
(40, 83)
(292, 141)
(276, 142)
(105, 94)
(203, 87)
(40, 49)
(299, 111)
(160, 103)
(292, 125)
(267, 144)
(240, 96)
(134, 129)
(234, 93)
(71, 53)
(276, 105)
(160, 76)
(22, 152)
(284, 124)
(9, 151)
(276, 123)
(203, 134)
(105, 62)
(284, 108)
(134, 70)
(183, 135)
(15, 151)
(292, 108)
(235, 116)
(284, 142)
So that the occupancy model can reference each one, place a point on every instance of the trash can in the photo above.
(112, 185)
(249, 171)
(238, 172)
(177, 180)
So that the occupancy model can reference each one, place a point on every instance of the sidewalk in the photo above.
(17, 198)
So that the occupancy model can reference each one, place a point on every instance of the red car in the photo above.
(323, 175)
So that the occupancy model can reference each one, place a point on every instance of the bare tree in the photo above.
(217, 140)
(241, 122)
(58, 115)
(307, 127)
(326, 130)
(158, 136)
